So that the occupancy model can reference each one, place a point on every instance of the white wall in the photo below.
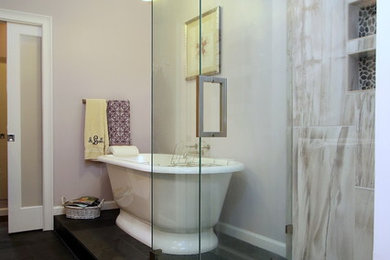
(254, 62)
(382, 121)
(101, 49)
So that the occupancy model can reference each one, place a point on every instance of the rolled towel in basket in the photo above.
(123, 150)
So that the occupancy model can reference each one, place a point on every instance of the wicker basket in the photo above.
(82, 213)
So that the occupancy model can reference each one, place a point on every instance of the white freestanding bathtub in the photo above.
(176, 197)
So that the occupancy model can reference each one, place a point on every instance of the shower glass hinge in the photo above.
(289, 229)
(153, 255)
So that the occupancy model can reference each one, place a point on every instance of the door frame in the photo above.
(45, 22)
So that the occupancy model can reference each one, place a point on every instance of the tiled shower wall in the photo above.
(333, 136)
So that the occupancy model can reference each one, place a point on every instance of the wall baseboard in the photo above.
(59, 210)
(4, 212)
(257, 240)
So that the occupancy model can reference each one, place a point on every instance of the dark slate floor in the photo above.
(32, 245)
(102, 239)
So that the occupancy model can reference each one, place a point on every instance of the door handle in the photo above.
(200, 80)
(2, 136)
(11, 138)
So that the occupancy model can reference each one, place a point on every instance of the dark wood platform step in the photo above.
(101, 239)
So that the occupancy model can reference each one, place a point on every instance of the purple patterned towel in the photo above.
(118, 120)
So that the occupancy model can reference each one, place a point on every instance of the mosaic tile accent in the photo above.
(367, 20)
(367, 72)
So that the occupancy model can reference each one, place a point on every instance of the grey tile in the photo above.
(316, 40)
(364, 224)
(364, 105)
(365, 173)
(328, 158)
(323, 214)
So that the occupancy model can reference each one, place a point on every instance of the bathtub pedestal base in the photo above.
(136, 228)
(184, 243)
(169, 243)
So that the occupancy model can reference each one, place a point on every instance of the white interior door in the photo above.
(24, 93)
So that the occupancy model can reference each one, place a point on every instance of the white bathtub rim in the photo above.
(146, 167)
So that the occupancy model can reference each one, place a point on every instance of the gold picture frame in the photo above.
(209, 46)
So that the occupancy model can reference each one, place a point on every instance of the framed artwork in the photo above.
(208, 45)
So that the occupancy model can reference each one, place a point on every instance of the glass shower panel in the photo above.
(298, 93)
(221, 136)
(175, 158)
(245, 189)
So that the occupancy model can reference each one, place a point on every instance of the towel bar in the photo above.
(84, 101)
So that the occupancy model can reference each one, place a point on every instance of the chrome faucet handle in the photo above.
(195, 146)
(206, 147)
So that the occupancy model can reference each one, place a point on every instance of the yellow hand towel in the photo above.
(96, 141)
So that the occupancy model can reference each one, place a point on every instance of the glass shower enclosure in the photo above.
(263, 129)
(221, 142)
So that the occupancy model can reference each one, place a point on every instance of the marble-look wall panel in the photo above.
(317, 45)
(364, 224)
(365, 173)
(323, 192)
(360, 107)
(333, 142)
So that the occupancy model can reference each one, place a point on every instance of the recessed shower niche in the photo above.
(361, 44)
